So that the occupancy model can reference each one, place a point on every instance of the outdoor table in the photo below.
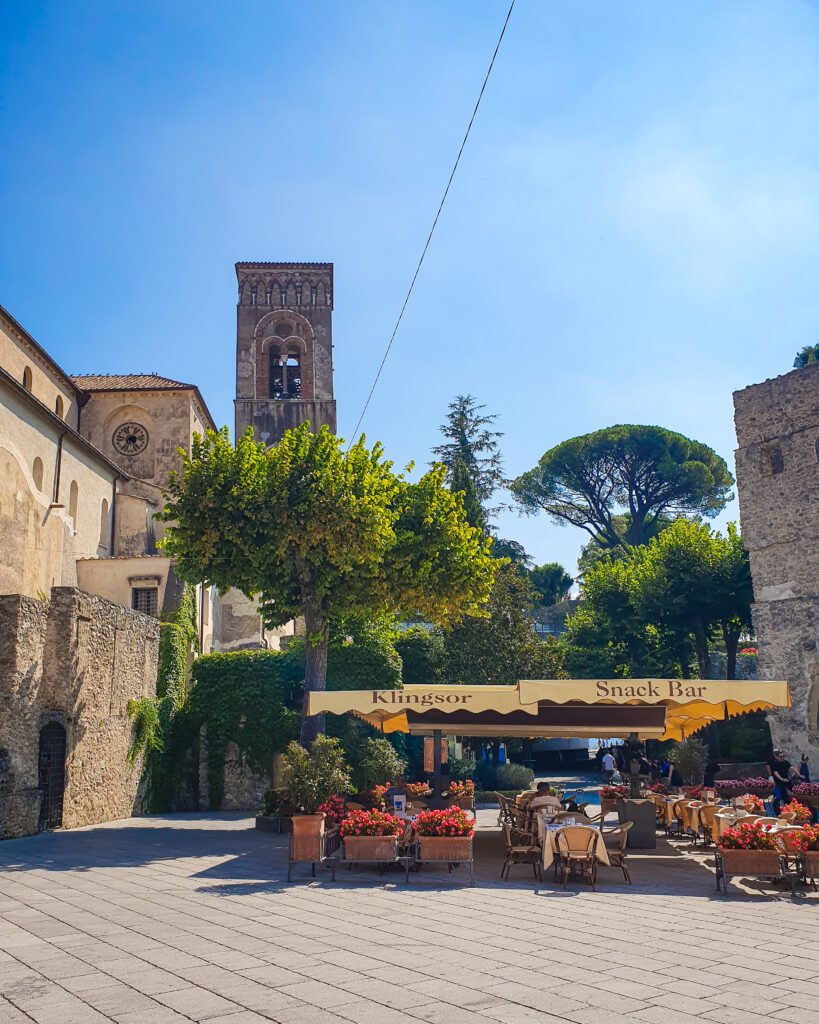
(548, 833)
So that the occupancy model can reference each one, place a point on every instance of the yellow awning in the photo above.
(663, 708)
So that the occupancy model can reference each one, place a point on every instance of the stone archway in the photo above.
(51, 774)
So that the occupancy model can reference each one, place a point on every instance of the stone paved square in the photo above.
(180, 918)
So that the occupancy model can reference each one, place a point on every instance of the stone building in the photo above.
(777, 468)
(83, 463)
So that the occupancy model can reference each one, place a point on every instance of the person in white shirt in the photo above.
(608, 764)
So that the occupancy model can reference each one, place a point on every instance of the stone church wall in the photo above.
(77, 659)
(777, 466)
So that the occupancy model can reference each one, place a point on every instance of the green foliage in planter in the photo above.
(309, 777)
(382, 763)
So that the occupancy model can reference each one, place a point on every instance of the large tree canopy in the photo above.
(313, 530)
(551, 583)
(644, 473)
(663, 604)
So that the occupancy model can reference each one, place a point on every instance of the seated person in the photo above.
(545, 799)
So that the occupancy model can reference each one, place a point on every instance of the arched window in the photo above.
(27, 378)
(276, 374)
(294, 375)
(104, 524)
(58, 406)
(37, 473)
(777, 461)
(73, 498)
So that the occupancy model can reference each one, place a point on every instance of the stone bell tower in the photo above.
(284, 348)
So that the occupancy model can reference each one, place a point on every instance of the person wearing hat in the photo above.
(780, 769)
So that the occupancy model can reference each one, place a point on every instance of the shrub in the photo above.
(462, 789)
(807, 839)
(382, 763)
(422, 655)
(334, 809)
(311, 777)
(503, 776)
(690, 757)
(802, 813)
(417, 790)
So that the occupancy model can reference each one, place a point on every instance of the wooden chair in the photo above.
(708, 819)
(615, 840)
(521, 848)
(575, 849)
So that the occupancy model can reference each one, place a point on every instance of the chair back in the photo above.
(708, 815)
(575, 839)
(787, 837)
(787, 818)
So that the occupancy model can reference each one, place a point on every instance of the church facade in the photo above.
(84, 462)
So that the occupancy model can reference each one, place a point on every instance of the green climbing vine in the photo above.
(153, 717)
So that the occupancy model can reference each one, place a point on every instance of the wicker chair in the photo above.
(580, 819)
(575, 849)
(708, 819)
(520, 848)
(615, 840)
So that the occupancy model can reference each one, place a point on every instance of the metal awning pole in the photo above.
(436, 763)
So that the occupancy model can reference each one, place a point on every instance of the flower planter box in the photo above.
(751, 864)
(466, 803)
(807, 862)
(307, 841)
(449, 849)
(371, 849)
(809, 800)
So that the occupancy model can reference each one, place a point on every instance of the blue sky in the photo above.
(632, 235)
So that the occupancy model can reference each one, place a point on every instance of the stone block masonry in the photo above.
(73, 662)
(777, 466)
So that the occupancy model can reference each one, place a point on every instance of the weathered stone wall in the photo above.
(78, 658)
(23, 622)
(777, 465)
(243, 788)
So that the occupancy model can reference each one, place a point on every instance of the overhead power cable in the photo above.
(434, 225)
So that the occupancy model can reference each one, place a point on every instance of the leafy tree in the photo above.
(644, 472)
(460, 482)
(649, 612)
(421, 650)
(511, 549)
(314, 531)
(501, 647)
(471, 446)
(690, 757)
(551, 583)
(809, 354)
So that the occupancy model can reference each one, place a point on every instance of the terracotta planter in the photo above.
(445, 848)
(376, 849)
(308, 837)
(751, 862)
(467, 803)
(809, 859)
(808, 801)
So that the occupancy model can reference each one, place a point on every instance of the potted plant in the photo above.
(807, 793)
(417, 790)
(748, 849)
(463, 794)
(752, 803)
(334, 810)
(371, 836)
(801, 813)
(445, 835)
(308, 779)
(807, 843)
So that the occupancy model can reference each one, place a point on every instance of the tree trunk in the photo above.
(731, 639)
(703, 651)
(315, 670)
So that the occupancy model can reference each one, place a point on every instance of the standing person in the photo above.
(710, 774)
(804, 768)
(780, 768)
(609, 764)
(675, 781)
